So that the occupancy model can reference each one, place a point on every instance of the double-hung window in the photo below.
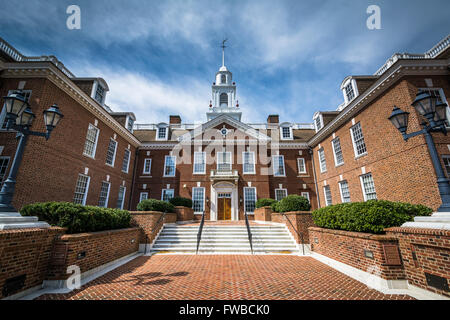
(100, 94)
(368, 187)
(162, 133)
(81, 189)
(223, 161)
(359, 145)
(345, 192)
(338, 157)
(104, 194)
(286, 133)
(198, 199)
(121, 197)
(90, 144)
(143, 196)
(169, 166)
(199, 162)
(248, 162)
(349, 92)
(278, 166)
(323, 163)
(280, 194)
(111, 153)
(301, 165)
(306, 195)
(327, 194)
(249, 199)
(126, 161)
(147, 166)
(167, 194)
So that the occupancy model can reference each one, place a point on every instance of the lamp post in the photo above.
(20, 117)
(434, 112)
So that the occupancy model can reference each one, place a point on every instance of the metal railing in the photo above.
(299, 233)
(155, 228)
(200, 230)
(249, 232)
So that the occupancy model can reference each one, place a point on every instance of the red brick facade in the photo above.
(297, 222)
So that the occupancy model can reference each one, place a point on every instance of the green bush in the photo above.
(266, 202)
(292, 202)
(155, 205)
(78, 218)
(180, 201)
(274, 206)
(372, 216)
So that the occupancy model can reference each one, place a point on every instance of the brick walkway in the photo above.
(224, 277)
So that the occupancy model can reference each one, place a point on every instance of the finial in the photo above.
(223, 52)
(237, 103)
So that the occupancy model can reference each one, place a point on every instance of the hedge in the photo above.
(155, 205)
(180, 201)
(372, 216)
(265, 202)
(292, 202)
(78, 218)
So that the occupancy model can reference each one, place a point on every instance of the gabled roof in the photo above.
(224, 118)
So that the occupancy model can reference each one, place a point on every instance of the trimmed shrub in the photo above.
(292, 202)
(372, 216)
(274, 206)
(155, 205)
(180, 201)
(265, 202)
(78, 218)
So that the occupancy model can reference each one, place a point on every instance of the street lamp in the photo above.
(19, 117)
(434, 110)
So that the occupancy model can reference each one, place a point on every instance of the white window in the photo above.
(345, 192)
(439, 93)
(162, 133)
(104, 194)
(169, 166)
(301, 165)
(327, 193)
(224, 161)
(121, 197)
(111, 153)
(323, 163)
(199, 162)
(338, 157)
(280, 194)
(91, 141)
(359, 145)
(147, 166)
(198, 199)
(167, 194)
(223, 99)
(446, 160)
(318, 121)
(130, 124)
(4, 161)
(249, 199)
(349, 92)
(143, 196)
(25, 93)
(278, 166)
(100, 94)
(248, 162)
(286, 133)
(81, 189)
(306, 195)
(126, 160)
(368, 187)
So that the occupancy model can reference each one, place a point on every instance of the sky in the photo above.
(160, 57)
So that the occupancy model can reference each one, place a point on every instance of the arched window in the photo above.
(223, 78)
(224, 98)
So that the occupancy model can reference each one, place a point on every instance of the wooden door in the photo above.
(224, 209)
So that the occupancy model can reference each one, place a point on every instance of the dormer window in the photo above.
(130, 124)
(286, 132)
(223, 99)
(318, 121)
(163, 132)
(349, 89)
(100, 94)
(349, 92)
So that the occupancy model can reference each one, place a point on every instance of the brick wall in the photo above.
(147, 221)
(26, 252)
(91, 250)
(425, 251)
(263, 214)
(349, 248)
(184, 213)
(301, 221)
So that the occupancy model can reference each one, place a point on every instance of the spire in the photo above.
(223, 52)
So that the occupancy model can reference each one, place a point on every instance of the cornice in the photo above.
(49, 71)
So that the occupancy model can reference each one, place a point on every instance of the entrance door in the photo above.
(224, 206)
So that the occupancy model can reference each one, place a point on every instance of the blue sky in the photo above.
(160, 57)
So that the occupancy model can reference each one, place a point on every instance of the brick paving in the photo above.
(201, 277)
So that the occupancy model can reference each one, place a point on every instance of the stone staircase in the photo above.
(225, 239)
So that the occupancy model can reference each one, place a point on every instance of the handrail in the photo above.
(200, 230)
(248, 231)
(299, 233)
(156, 227)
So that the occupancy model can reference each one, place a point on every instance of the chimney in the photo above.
(174, 119)
(273, 118)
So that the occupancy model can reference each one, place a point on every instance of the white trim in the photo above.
(94, 150)
(123, 196)
(128, 162)
(362, 185)
(336, 164)
(162, 193)
(304, 165)
(150, 167)
(284, 167)
(322, 170)
(320, 117)
(140, 196)
(340, 190)
(174, 166)
(107, 194)
(303, 193)
(204, 162)
(253, 162)
(87, 187)
(218, 157)
(256, 199)
(325, 195)
(284, 189)
(114, 155)
(291, 136)
(159, 126)
(204, 197)
(355, 150)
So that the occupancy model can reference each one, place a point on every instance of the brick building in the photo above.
(100, 157)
